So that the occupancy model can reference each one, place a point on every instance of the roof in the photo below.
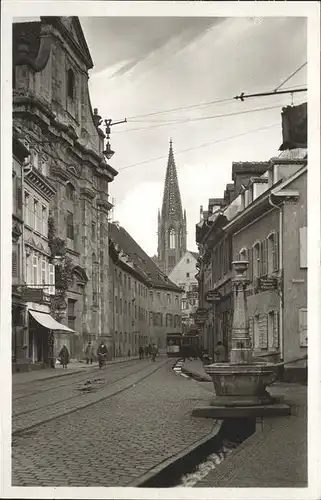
(245, 167)
(143, 265)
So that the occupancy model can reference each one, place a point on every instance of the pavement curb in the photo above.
(69, 373)
(155, 471)
(195, 376)
(26, 429)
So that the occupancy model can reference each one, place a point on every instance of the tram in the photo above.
(173, 344)
(183, 345)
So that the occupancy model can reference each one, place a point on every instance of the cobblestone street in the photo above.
(139, 417)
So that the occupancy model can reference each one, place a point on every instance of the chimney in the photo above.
(242, 171)
(294, 127)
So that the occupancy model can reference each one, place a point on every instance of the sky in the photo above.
(146, 66)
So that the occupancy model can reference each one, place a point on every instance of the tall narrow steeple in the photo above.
(172, 222)
(172, 203)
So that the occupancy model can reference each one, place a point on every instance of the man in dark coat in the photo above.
(64, 356)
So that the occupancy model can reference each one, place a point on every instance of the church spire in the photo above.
(171, 221)
(172, 203)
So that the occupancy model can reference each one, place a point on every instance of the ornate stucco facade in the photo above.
(52, 111)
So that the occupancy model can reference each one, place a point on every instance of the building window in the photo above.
(187, 261)
(71, 313)
(36, 215)
(70, 226)
(70, 192)
(256, 260)
(51, 273)
(125, 280)
(35, 270)
(271, 261)
(187, 275)
(70, 83)
(169, 298)
(303, 248)
(28, 213)
(93, 231)
(172, 238)
(44, 217)
(184, 304)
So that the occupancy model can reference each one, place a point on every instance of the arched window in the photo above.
(172, 238)
(70, 84)
(70, 191)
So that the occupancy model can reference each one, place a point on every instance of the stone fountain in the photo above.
(240, 384)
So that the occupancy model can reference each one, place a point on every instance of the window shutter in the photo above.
(276, 263)
(303, 327)
(263, 330)
(276, 335)
(14, 263)
(251, 264)
(265, 257)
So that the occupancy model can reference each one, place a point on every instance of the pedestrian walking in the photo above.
(102, 354)
(154, 352)
(220, 352)
(141, 352)
(64, 356)
(89, 353)
(146, 351)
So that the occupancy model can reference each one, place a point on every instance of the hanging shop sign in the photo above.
(267, 283)
(213, 296)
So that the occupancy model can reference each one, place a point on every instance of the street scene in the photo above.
(159, 252)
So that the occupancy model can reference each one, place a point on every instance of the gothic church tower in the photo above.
(171, 220)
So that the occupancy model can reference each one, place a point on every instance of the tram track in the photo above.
(70, 380)
(77, 388)
(23, 428)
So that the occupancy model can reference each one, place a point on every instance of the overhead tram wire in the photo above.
(291, 76)
(202, 118)
(181, 108)
(201, 146)
(199, 105)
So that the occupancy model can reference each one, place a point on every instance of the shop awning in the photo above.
(49, 322)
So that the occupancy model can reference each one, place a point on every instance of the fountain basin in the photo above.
(241, 384)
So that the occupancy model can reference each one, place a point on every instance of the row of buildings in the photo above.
(75, 275)
(262, 218)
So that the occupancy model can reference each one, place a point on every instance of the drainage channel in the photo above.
(196, 465)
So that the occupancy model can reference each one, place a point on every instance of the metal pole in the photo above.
(214, 330)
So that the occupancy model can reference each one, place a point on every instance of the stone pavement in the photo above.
(48, 373)
(275, 455)
(39, 402)
(117, 440)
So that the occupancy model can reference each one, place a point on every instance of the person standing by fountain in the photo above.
(220, 353)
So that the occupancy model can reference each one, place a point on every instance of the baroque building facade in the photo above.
(171, 220)
(52, 111)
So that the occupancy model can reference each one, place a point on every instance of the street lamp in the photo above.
(109, 153)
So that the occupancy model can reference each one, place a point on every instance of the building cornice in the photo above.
(38, 181)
